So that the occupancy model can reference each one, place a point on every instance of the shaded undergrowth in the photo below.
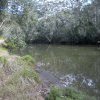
(67, 94)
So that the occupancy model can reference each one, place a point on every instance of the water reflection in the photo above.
(71, 79)
(68, 80)
(77, 66)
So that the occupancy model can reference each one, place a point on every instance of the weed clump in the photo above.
(3, 60)
(67, 94)
(28, 59)
(19, 78)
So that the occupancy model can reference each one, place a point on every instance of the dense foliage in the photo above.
(41, 21)
(67, 94)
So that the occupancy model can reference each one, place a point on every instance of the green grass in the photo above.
(28, 72)
(2, 38)
(67, 94)
(20, 80)
(3, 60)
(28, 59)
(3, 49)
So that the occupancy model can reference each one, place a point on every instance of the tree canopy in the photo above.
(44, 21)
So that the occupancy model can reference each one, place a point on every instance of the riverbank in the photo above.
(59, 89)
(19, 80)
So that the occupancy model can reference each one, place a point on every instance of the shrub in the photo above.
(67, 94)
(16, 38)
(14, 43)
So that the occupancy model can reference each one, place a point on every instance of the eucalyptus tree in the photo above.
(23, 18)
(3, 5)
(4, 17)
(96, 6)
(54, 21)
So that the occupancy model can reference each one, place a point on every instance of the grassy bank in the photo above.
(18, 79)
